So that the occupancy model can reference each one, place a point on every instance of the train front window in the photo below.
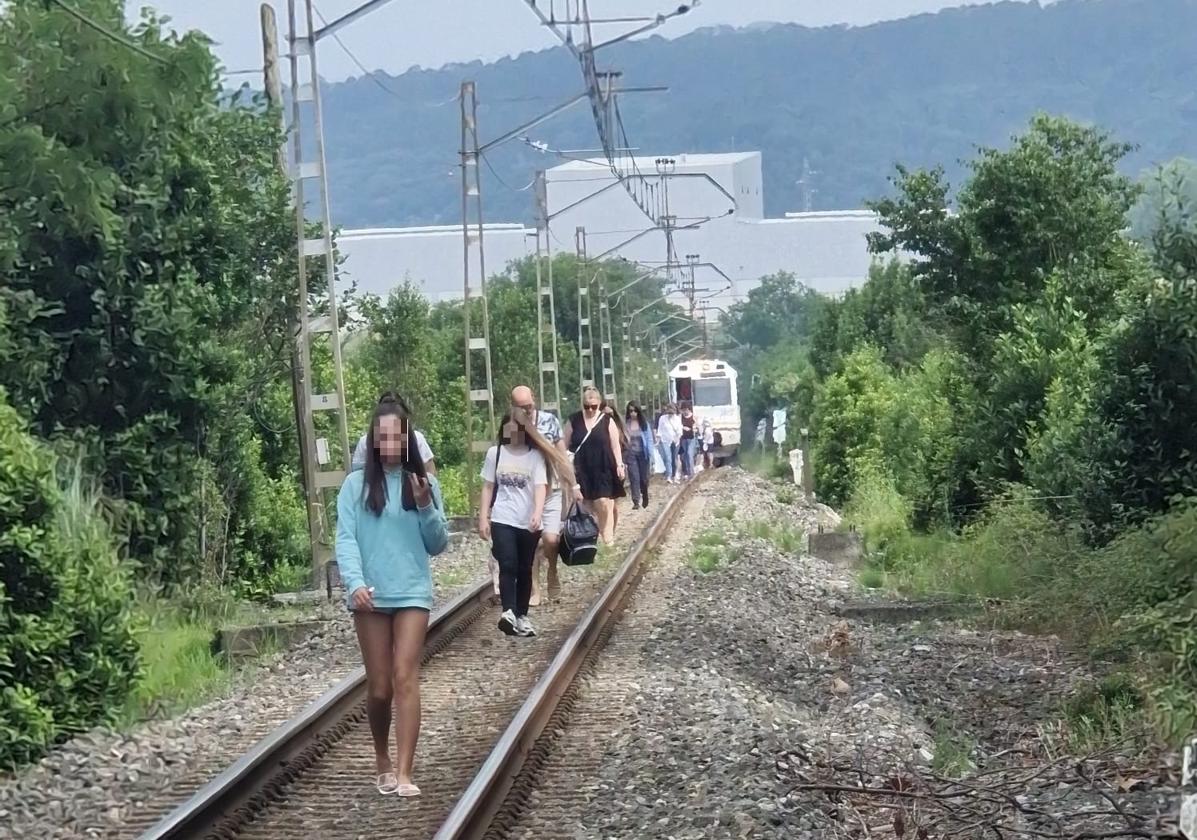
(712, 392)
(684, 392)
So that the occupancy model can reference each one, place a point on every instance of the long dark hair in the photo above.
(375, 485)
(617, 419)
(634, 409)
(555, 463)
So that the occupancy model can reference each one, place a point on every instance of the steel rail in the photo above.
(471, 817)
(293, 745)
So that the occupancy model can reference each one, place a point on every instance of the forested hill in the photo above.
(853, 101)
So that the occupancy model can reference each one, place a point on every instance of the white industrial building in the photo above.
(827, 250)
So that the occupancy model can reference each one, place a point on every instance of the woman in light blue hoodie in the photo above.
(390, 520)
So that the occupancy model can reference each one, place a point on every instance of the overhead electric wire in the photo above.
(499, 178)
(370, 74)
(108, 33)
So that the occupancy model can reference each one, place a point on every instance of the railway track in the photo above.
(487, 698)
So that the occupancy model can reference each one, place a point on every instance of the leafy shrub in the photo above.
(453, 488)
(877, 509)
(68, 657)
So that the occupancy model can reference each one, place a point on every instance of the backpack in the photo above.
(579, 538)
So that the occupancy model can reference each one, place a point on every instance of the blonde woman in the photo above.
(594, 440)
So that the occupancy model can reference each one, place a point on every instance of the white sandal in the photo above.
(387, 783)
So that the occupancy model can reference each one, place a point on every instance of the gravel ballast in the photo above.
(737, 702)
(114, 785)
(742, 699)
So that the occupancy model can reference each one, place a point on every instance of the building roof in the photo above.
(647, 164)
(431, 230)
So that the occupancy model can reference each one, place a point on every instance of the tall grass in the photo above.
(1118, 599)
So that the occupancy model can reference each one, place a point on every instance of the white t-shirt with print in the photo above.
(515, 485)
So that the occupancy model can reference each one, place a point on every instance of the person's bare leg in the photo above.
(374, 639)
(548, 546)
(534, 601)
(603, 513)
(409, 628)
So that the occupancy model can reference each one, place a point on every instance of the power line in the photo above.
(108, 33)
(499, 177)
(367, 73)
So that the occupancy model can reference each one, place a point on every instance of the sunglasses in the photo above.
(591, 407)
(529, 407)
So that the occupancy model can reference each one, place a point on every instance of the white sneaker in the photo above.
(524, 627)
(509, 624)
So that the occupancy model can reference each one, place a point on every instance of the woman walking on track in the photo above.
(598, 460)
(517, 474)
(390, 520)
(609, 410)
(638, 454)
(669, 435)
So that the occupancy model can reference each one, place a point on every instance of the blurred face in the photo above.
(590, 405)
(390, 438)
(608, 410)
(513, 433)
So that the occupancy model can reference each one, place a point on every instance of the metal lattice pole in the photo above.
(479, 389)
(607, 346)
(585, 331)
(307, 93)
(546, 307)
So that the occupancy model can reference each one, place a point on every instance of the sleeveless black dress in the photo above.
(594, 465)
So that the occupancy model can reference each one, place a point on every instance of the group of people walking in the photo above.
(680, 437)
(391, 520)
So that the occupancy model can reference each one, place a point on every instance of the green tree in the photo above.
(145, 234)
(67, 653)
(1054, 200)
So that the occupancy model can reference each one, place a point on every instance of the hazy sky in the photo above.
(431, 33)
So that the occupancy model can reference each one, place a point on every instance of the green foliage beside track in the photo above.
(1008, 413)
(67, 652)
(145, 303)
(147, 286)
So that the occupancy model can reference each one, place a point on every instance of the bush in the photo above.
(68, 657)
(877, 509)
(453, 488)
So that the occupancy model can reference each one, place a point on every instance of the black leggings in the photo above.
(514, 549)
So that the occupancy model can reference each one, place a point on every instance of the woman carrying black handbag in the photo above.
(594, 440)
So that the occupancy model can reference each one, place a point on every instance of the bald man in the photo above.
(550, 427)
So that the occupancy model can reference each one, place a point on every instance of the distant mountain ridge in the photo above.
(850, 101)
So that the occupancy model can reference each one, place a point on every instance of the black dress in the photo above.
(594, 465)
